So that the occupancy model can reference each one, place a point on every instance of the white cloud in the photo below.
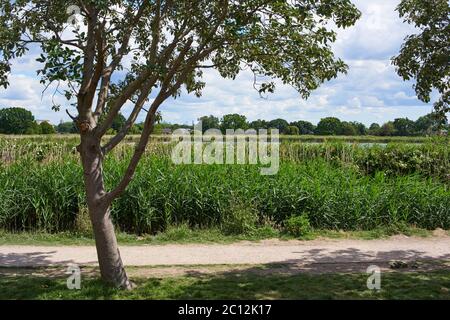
(371, 91)
(401, 95)
(377, 34)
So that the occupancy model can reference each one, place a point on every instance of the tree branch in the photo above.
(132, 117)
(137, 83)
(139, 151)
(144, 95)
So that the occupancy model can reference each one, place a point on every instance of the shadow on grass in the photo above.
(242, 285)
(318, 274)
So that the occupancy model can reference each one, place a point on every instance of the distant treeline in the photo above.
(22, 121)
(426, 125)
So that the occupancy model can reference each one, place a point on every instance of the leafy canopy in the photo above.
(304, 127)
(46, 128)
(16, 121)
(329, 126)
(234, 121)
(425, 56)
(169, 43)
(279, 124)
(209, 122)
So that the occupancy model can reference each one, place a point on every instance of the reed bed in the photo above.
(47, 194)
(430, 159)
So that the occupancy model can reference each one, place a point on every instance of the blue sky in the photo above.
(370, 92)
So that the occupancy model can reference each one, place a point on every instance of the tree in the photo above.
(292, 130)
(209, 122)
(135, 129)
(404, 127)
(329, 126)
(158, 117)
(360, 128)
(374, 129)
(47, 128)
(259, 124)
(304, 127)
(16, 121)
(279, 124)
(166, 45)
(387, 129)
(66, 127)
(348, 129)
(426, 124)
(34, 128)
(233, 121)
(118, 122)
(425, 56)
(158, 128)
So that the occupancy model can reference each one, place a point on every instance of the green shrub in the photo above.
(177, 233)
(298, 225)
(239, 218)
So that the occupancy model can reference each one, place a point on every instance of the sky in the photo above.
(370, 92)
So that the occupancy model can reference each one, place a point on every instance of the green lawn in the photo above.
(183, 234)
(241, 285)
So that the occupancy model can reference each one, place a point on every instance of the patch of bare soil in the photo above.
(440, 233)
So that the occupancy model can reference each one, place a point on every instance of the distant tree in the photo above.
(404, 127)
(259, 124)
(234, 121)
(16, 121)
(360, 128)
(158, 117)
(348, 129)
(66, 127)
(158, 129)
(427, 124)
(209, 122)
(329, 126)
(279, 124)
(118, 122)
(374, 129)
(425, 55)
(387, 129)
(46, 128)
(292, 130)
(135, 129)
(34, 129)
(140, 126)
(304, 127)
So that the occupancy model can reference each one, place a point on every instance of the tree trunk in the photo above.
(110, 262)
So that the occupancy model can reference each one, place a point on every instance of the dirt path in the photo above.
(336, 255)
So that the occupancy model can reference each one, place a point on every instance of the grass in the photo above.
(332, 185)
(237, 285)
(182, 234)
(50, 197)
(308, 138)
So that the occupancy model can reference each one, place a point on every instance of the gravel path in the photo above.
(264, 252)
